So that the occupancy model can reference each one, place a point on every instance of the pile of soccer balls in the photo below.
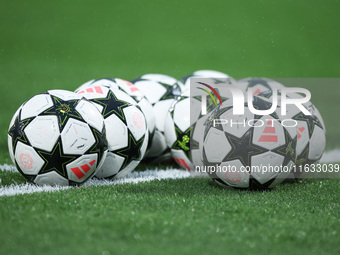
(106, 127)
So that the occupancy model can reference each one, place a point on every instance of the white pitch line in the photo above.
(134, 177)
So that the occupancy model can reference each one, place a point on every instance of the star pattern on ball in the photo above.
(243, 148)
(17, 130)
(170, 92)
(261, 104)
(183, 141)
(112, 105)
(287, 150)
(64, 110)
(132, 151)
(311, 121)
(55, 160)
(100, 146)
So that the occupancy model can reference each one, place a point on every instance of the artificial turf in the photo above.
(47, 45)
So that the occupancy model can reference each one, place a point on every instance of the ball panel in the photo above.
(181, 159)
(36, 105)
(169, 130)
(182, 114)
(233, 177)
(216, 146)
(128, 169)
(161, 108)
(152, 90)
(270, 135)
(43, 132)
(135, 121)
(116, 133)
(90, 114)
(129, 88)
(82, 168)
(28, 159)
(111, 166)
(52, 179)
(266, 159)
(76, 137)
(149, 114)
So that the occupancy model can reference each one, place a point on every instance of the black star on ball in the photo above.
(243, 148)
(64, 110)
(112, 105)
(55, 160)
(171, 91)
(311, 121)
(17, 130)
(132, 151)
(183, 140)
(100, 145)
(262, 105)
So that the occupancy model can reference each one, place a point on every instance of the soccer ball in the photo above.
(258, 85)
(256, 152)
(184, 123)
(311, 132)
(161, 92)
(177, 131)
(215, 77)
(57, 138)
(127, 87)
(126, 130)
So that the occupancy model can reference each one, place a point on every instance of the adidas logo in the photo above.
(80, 173)
(96, 89)
(269, 133)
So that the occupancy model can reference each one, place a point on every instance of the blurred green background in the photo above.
(62, 44)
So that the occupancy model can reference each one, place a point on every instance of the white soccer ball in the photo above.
(248, 151)
(130, 89)
(57, 138)
(126, 130)
(161, 92)
(177, 131)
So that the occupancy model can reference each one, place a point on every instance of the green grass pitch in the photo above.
(62, 44)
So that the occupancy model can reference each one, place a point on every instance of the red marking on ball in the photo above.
(257, 91)
(137, 119)
(26, 160)
(233, 176)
